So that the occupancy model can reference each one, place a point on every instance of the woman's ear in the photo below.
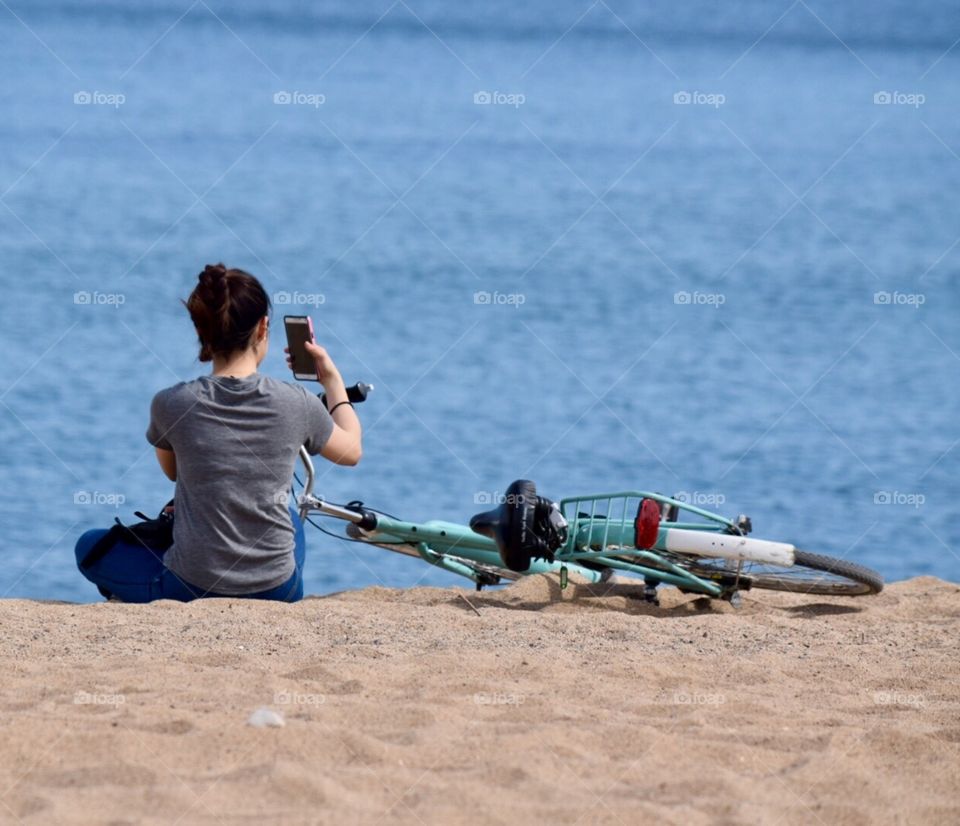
(263, 329)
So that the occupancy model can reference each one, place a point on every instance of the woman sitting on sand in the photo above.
(230, 440)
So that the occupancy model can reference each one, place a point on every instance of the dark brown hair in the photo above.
(226, 306)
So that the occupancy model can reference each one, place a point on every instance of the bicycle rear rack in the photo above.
(606, 521)
(602, 530)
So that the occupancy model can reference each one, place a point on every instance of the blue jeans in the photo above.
(137, 574)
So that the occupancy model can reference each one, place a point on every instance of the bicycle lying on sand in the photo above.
(655, 538)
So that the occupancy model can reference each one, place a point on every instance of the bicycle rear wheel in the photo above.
(810, 574)
(818, 574)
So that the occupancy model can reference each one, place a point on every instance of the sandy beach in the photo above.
(526, 705)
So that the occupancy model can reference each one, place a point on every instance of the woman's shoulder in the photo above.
(172, 391)
(182, 391)
(283, 389)
(188, 392)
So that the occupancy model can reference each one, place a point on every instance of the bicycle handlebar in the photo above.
(355, 394)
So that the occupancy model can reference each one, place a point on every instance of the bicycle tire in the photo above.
(848, 578)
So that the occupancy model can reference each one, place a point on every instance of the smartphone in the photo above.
(299, 332)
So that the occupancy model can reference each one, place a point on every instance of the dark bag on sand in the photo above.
(155, 534)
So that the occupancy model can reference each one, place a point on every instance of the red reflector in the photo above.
(646, 524)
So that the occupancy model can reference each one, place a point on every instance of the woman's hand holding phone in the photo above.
(344, 445)
(327, 372)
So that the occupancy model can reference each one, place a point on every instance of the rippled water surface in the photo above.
(750, 297)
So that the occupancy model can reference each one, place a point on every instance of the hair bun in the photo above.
(212, 275)
(226, 307)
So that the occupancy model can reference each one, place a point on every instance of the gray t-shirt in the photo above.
(236, 443)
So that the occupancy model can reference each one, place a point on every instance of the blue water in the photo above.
(781, 209)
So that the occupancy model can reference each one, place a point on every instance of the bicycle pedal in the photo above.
(649, 595)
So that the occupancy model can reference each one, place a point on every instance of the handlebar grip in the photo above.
(355, 393)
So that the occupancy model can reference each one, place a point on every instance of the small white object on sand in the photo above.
(266, 718)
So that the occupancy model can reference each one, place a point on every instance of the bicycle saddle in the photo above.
(524, 526)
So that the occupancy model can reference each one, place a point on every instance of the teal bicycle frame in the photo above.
(600, 538)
